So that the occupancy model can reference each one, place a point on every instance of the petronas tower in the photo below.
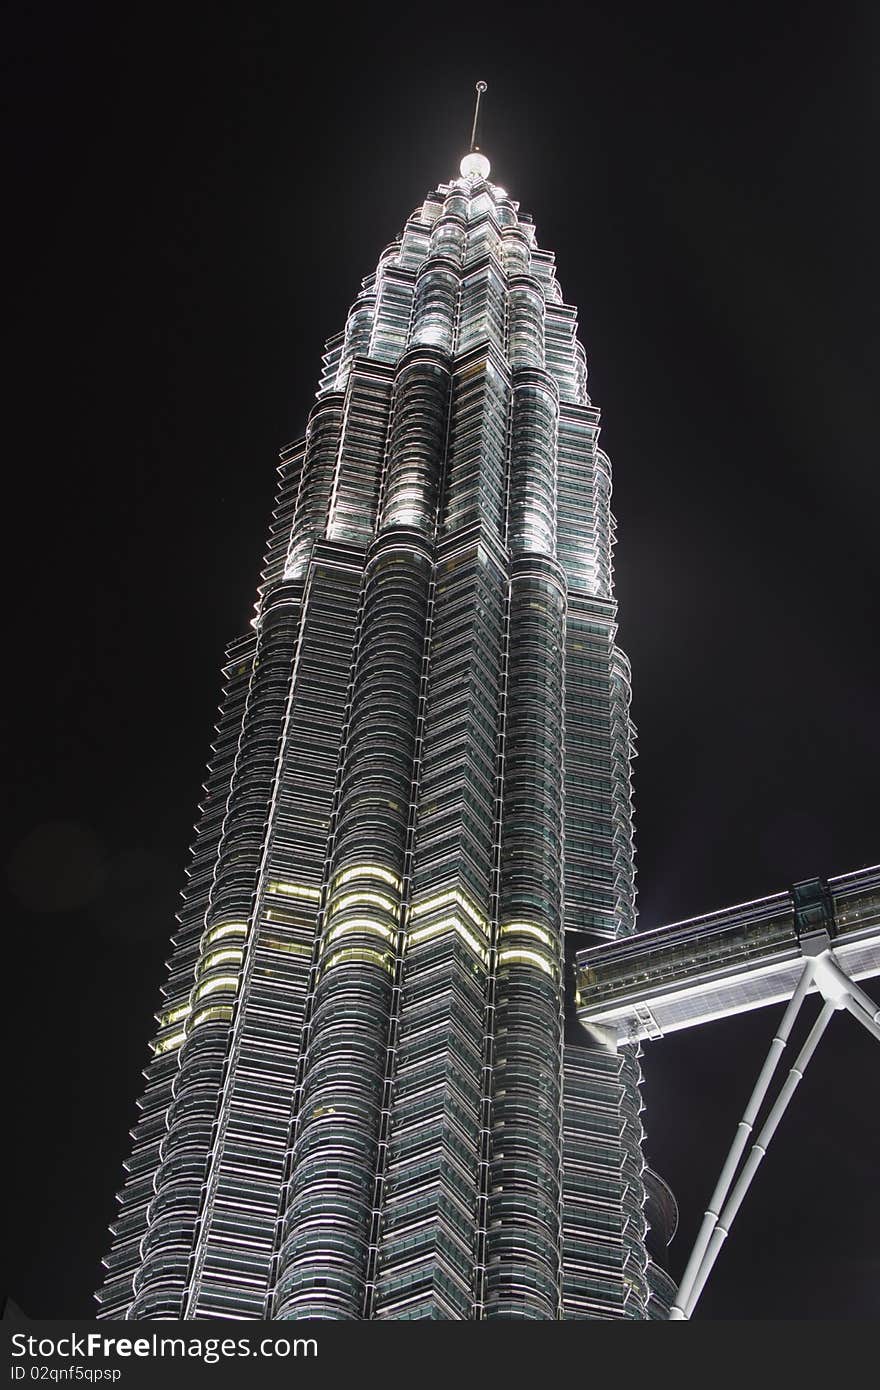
(369, 1096)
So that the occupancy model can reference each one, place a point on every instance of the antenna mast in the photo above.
(481, 88)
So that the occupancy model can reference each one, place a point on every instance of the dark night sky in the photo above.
(198, 194)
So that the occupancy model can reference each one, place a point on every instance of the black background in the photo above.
(195, 195)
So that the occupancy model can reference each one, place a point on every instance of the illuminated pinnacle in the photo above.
(474, 164)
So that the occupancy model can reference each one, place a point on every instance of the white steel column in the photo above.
(737, 1148)
(756, 1153)
(839, 992)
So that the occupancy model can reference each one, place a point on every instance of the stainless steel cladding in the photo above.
(367, 1098)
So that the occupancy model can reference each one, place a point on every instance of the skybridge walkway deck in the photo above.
(742, 957)
(820, 935)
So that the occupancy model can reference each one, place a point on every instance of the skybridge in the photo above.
(821, 936)
(723, 963)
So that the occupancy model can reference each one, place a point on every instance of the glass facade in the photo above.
(369, 1096)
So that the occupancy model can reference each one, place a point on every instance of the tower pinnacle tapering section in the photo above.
(369, 1096)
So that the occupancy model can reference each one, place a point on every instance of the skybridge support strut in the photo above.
(741, 1138)
(839, 992)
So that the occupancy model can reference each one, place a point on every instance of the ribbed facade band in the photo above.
(368, 1096)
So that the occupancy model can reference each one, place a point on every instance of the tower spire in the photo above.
(475, 165)
(481, 88)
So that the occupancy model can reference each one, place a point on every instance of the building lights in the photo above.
(169, 1044)
(359, 871)
(363, 899)
(216, 1013)
(367, 926)
(224, 929)
(227, 983)
(453, 898)
(530, 957)
(173, 1015)
(440, 928)
(291, 948)
(528, 929)
(294, 890)
(214, 958)
(359, 954)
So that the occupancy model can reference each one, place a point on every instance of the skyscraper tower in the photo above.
(369, 1096)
